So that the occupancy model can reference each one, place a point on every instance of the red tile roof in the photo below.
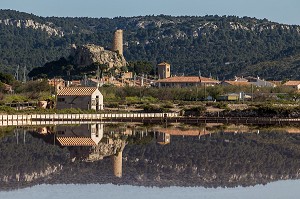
(163, 64)
(191, 79)
(76, 141)
(189, 132)
(77, 91)
(238, 83)
(292, 83)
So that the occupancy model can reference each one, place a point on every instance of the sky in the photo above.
(281, 11)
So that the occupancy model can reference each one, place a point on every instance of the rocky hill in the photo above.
(88, 54)
(82, 60)
(222, 46)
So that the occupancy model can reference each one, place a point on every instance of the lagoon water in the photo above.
(132, 161)
(283, 189)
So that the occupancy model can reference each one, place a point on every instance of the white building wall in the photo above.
(263, 83)
(81, 102)
(95, 101)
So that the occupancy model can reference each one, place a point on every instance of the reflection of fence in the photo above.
(40, 119)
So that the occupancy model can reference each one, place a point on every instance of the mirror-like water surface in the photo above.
(159, 160)
(276, 190)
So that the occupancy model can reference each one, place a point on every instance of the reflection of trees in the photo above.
(219, 160)
(226, 159)
(28, 163)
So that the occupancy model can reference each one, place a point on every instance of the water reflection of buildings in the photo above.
(163, 138)
(246, 160)
(82, 135)
(163, 135)
(87, 142)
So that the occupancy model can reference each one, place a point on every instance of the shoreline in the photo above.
(146, 118)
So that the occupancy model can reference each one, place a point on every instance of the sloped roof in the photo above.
(77, 91)
(237, 83)
(163, 63)
(190, 79)
(76, 141)
(292, 83)
(188, 132)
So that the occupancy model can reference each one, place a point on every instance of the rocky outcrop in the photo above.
(106, 149)
(87, 54)
(52, 31)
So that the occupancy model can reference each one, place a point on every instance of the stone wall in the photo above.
(118, 42)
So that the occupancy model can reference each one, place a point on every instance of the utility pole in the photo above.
(134, 79)
(24, 75)
(252, 92)
(17, 73)
(204, 91)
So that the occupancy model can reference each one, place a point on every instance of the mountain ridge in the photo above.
(219, 45)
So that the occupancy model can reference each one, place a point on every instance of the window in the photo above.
(61, 99)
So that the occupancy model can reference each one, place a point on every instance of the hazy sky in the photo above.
(282, 11)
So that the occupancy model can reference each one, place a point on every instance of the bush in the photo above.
(194, 111)
(7, 110)
(221, 105)
(112, 105)
(149, 108)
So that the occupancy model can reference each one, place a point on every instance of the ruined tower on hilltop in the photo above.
(117, 163)
(118, 42)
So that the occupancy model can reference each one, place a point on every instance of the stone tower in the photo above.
(164, 70)
(118, 42)
(117, 162)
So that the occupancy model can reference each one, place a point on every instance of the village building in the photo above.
(7, 88)
(58, 84)
(240, 79)
(257, 81)
(292, 84)
(263, 83)
(83, 135)
(185, 81)
(164, 70)
(91, 82)
(236, 83)
(74, 83)
(85, 98)
(163, 138)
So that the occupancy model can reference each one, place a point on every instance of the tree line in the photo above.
(219, 45)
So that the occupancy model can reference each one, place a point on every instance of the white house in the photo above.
(83, 135)
(260, 82)
(85, 98)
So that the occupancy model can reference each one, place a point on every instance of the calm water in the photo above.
(130, 161)
(277, 190)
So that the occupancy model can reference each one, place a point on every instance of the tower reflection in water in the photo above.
(87, 143)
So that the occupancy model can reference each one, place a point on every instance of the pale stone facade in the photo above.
(118, 42)
(164, 70)
(85, 98)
